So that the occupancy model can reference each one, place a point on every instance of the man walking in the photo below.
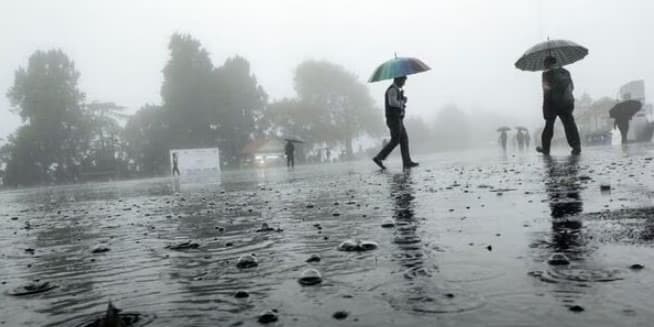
(289, 149)
(175, 164)
(558, 101)
(395, 104)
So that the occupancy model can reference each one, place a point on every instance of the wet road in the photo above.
(472, 238)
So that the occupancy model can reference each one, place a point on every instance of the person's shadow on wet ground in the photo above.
(563, 187)
(406, 238)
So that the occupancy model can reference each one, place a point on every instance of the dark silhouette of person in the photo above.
(395, 105)
(558, 101)
(622, 113)
(503, 139)
(521, 140)
(175, 165)
(623, 125)
(289, 149)
(527, 139)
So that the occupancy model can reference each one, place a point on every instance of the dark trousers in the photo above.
(623, 126)
(290, 160)
(398, 136)
(175, 170)
(569, 125)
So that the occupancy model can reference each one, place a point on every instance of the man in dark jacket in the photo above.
(289, 149)
(558, 101)
(395, 103)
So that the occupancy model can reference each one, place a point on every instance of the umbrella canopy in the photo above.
(625, 109)
(504, 129)
(293, 140)
(565, 52)
(398, 67)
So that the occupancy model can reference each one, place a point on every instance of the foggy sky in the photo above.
(120, 47)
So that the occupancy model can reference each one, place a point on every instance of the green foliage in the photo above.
(206, 106)
(53, 140)
(240, 101)
(333, 106)
(188, 93)
(146, 138)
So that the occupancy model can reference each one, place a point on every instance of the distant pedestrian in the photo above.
(175, 165)
(289, 149)
(527, 139)
(503, 139)
(558, 101)
(395, 105)
(622, 112)
(521, 140)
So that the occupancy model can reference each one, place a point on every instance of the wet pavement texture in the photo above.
(468, 239)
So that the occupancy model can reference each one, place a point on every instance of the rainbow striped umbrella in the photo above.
(397, 67)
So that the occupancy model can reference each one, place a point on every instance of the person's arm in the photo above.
(393, 99)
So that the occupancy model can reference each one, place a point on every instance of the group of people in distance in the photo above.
(522, 138)
(558, 101)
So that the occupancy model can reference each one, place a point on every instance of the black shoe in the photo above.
(576, 151)
(411, 165)
(541, 150)
(379, 163)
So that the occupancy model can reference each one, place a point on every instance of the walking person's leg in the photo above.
(571, 132)
(394, 127)
(404, 148)
(623, 126)
(546, 136)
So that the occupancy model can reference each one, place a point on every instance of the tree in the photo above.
(340, 105)
(105, 143)
(55, 135)
(240, 102)
(188, 93)
(288, 118)
(146, 136)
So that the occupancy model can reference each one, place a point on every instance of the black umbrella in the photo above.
(625, 109)
(504, 129)
(293, 140)
(565, 52)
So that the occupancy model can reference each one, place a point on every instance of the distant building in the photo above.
(593, 120)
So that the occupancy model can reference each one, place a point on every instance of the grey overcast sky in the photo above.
(120, 49)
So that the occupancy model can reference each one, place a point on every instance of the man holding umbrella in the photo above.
(558, 101)
(623, 112)
(395, 105)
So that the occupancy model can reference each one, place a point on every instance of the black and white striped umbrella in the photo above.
(565, 52)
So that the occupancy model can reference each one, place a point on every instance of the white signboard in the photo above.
(196, 161)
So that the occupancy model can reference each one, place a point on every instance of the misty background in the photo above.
(120, 49)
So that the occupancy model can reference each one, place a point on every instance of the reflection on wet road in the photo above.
(478, 239)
